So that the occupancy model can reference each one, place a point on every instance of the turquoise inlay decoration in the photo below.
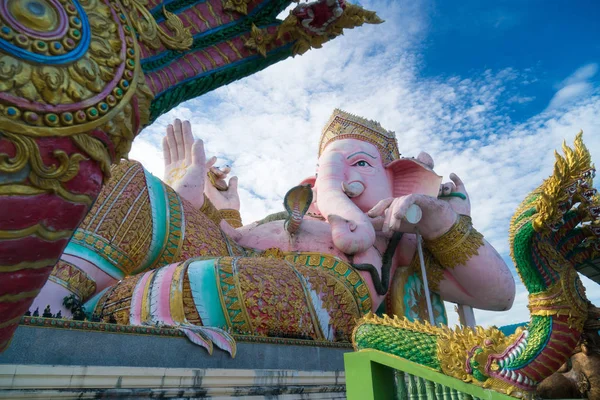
(203, 282)
(412, 290)
(91, 304)
(71, 56)
(160, 220)
(439, 310)
(80, 251)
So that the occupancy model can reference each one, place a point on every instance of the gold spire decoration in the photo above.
(343, 125)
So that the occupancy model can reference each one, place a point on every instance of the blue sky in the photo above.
(489, 89)
(547, 39)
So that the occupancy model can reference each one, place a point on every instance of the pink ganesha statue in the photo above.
(149, 253)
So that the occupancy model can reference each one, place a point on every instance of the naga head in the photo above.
(571, 183)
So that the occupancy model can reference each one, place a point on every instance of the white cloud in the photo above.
(574, 87)
(268, 125)
(520, 99)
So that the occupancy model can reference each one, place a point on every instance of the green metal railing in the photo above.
(374, 375)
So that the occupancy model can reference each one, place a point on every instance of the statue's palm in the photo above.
(186, 170)
(185, 162)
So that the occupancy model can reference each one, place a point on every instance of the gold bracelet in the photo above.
(232, 217)
(458, 245)
(210, 211)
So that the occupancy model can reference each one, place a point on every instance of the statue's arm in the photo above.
(469, 270)
(482, 281)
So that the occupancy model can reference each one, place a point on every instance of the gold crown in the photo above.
(343, 125)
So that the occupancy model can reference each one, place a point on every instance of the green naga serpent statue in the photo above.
(79, 79)
(553, 233)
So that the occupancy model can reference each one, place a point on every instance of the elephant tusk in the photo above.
(353, 189)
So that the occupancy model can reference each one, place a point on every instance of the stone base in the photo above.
(62, 382)
(52, 363)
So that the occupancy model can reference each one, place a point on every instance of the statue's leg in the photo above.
(37, 223)
(312, 296)
(136, 224)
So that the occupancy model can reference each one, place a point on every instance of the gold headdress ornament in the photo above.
(343, 125)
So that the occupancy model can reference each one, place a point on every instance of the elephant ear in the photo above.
(412, 176)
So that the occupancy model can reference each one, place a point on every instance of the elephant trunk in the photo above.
(351, 229)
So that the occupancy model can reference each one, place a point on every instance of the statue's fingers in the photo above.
(211, 161)
(198, 155)
(232, 187)
(399, 210)
(172, 143)
(458, 183)
(380, 207)
(219, 173)
(448, 188)
(387, 215)
(166, 151)
(188, 141)
(377, 223)
(178, 131)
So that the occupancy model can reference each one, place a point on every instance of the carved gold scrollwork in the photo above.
(240, 6)
(49, 178)
(352, 17)
(153, 35)
(17, 163)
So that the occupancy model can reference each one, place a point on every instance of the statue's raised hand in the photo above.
(185, 162)
(191, 175)
(456, 195)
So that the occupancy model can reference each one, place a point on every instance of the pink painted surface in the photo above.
(136, 299)
(163, 310)
(52, 294)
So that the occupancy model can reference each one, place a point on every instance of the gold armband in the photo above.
(458, 245)
(232, 217)
(211, 211)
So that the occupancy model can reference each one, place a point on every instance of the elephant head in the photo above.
(359, 165)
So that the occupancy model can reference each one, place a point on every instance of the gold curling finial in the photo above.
(343, 125)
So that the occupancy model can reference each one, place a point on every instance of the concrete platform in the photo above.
(46, 362)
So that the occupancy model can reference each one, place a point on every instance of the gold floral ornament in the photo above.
(458, 245)
(305, 39)
(240, 6)
(259, 40)
(153, 35)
